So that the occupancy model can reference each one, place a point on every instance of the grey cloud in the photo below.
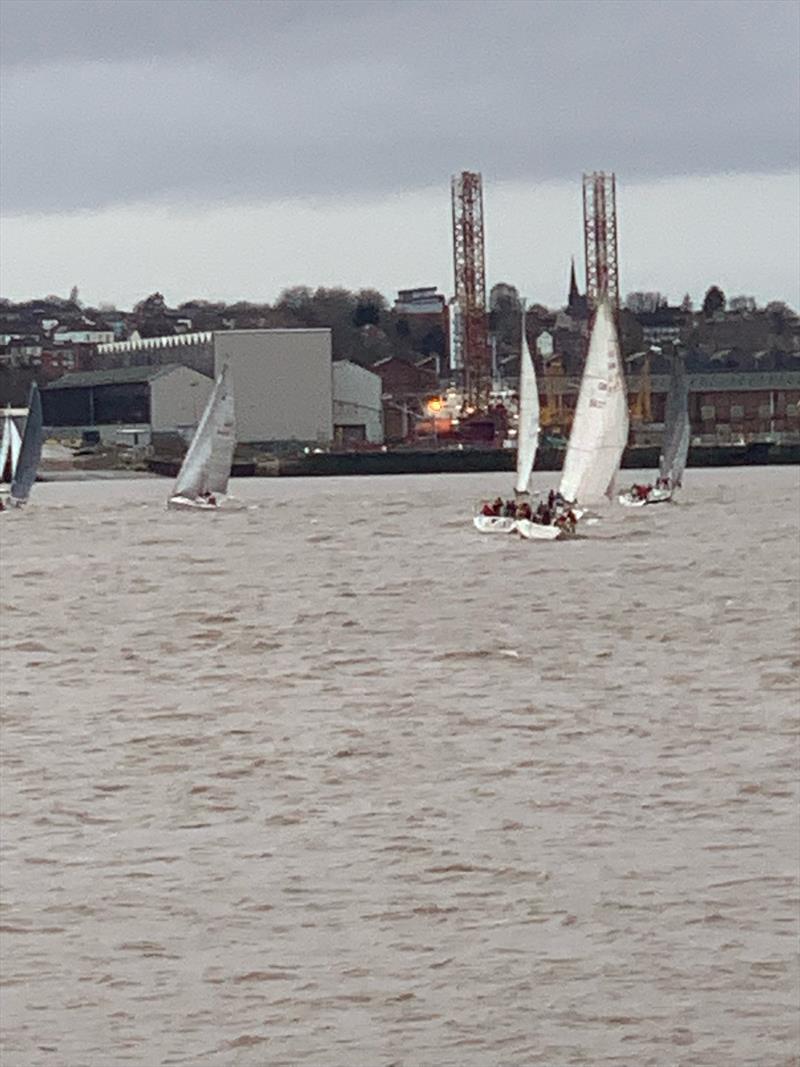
(108, 103)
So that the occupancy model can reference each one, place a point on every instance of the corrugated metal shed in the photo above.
(115, 376)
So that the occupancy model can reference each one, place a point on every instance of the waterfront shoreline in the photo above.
(476, 461)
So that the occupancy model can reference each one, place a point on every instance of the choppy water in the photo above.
(338, 781)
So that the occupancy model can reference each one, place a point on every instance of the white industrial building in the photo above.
(282, 383)
(286, 386)
(357, 405)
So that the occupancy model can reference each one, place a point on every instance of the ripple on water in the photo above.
(508, 803)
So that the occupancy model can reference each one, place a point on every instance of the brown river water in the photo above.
(336, 780)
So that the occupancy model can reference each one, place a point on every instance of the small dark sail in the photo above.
(675, 446)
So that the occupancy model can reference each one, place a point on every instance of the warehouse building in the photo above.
(357, 405)
(286, 386)
(165, 399)
(762, 405)
(282, 382)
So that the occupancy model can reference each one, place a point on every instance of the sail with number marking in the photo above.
(600, 427)
(207, 464)
(677, 431)
(528, 431)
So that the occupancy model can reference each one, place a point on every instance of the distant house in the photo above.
(662, 326)
(403, 379)
(20, 350)
(88, 336)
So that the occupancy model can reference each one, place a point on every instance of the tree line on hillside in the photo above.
(364, 328)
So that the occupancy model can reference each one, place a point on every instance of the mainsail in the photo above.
(675, 446)
(528, 432)
(9, 449)
(30, 451)
(207, 464)
(600, 427)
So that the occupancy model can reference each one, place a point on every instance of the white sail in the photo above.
(600, 427)
(677, 431)
(207, 464)
(5, 449)
(9, 449)
(16, 443)
(528, 432)
(30, 449)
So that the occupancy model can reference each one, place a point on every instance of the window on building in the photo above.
(792, 411)
(708, 412)
(764, 411)
(737, 412)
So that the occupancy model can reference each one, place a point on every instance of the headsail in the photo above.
(207, 464)
(5, 450)
(600, 427)
(16, 443)
(30, 451)
(528, 432)
(9, 449)
(677, 431)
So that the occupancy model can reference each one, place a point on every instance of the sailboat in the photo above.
(527, 441)
(674, 445)
(202, 481)
(29, 451)
(599, 429)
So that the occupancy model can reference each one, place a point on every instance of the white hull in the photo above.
(655, 496)
(184, 503)
(535, 531)
(494, 523)
(660, 496)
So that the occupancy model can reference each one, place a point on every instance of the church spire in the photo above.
(574, 295)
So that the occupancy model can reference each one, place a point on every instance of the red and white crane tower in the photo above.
(469, 264)
(600, 238)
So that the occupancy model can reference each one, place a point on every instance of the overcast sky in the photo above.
(226, 150)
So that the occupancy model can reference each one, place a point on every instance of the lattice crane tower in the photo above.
(600, 237)
(469, 266)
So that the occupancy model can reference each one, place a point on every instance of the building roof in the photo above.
(179, 340)
(114, 376)
(358, 366)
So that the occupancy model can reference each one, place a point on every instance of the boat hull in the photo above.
(655, 496)
(494, 523)
(185, 503)
(536, 531)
